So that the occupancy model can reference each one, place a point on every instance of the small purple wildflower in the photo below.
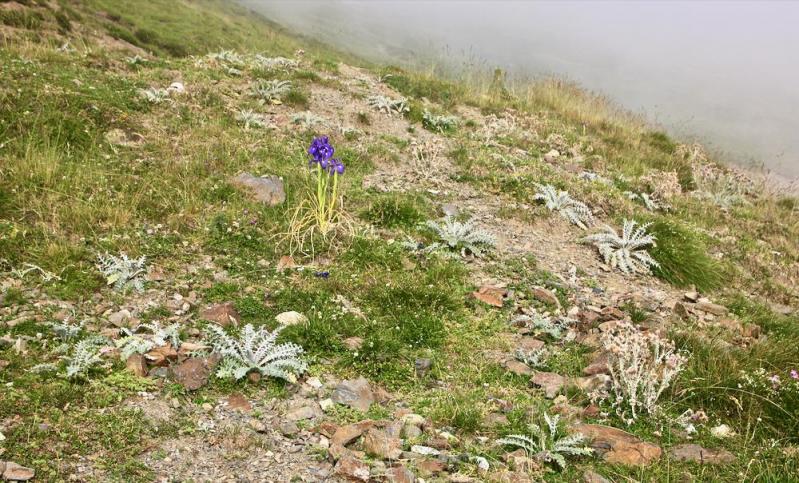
(775, 381)
(321, 152)
(794, 374)
(324, 274)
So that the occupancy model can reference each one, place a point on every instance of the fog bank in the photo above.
(725, 72)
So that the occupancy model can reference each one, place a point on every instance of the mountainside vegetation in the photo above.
(229, 251)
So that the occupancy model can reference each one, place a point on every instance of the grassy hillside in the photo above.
(89, 166)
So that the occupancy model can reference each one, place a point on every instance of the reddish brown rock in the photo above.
(400, 474)
(378, 444)
(517, 367)
(550, 382)
(352, 469)
(529, 344)
(237, 402)
(430, 467)
(546, 296)
(137, 365)
(617, 446)
(344, 435)
(221, 314)
(193, 373)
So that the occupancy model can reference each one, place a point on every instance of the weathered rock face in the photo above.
(698, 454)
(355, 393)
(221, 314)
(617, 446)
(266, 189)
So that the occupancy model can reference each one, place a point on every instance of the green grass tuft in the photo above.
(683, 256)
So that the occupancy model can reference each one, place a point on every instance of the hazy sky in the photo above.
(727, 72)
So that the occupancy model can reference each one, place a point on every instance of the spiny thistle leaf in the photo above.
(457, 237)
(548, 446)
(387, 105)
(625, 251)
(255, 349)
(123, 272)
(575, 212)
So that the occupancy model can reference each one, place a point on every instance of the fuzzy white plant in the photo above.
(533, 358)
(154, 95)
(575, 212)
(439, 123)
(271, 90)
(123, 272)
(27, 268)
(548, 445)
(132, 343)
(642, 365)
(594, 177)
(85, 355)
(425, 158)
(649, 201)
(135, 60)
(162, 336)
(556, 327)
(250, 118)
(256, 349)
(464, 238)
(308, 119)
(388, 105)
(274, 63)
(159, 336)
(626, 251)
(65, 330)
(226, 57)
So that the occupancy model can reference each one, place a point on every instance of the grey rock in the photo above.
(266, 189)
(288, 428)
(698, 454)
(355, 393)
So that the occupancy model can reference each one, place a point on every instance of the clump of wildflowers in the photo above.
(642, 365)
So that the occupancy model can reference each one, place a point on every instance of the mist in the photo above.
(726, 73)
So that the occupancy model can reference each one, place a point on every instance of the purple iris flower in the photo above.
(335, 166)
(321, 150)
